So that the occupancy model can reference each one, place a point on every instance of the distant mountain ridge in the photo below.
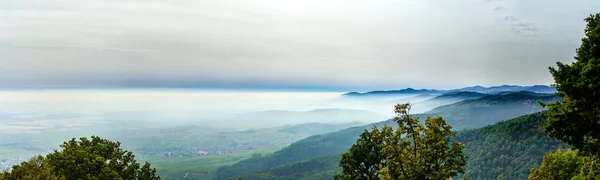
(489, 109)
(444, 99)
(511, 88)
(392, 92)
(478, 89)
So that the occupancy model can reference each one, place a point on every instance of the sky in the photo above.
(341, 45)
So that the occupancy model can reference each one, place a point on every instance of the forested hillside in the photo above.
(490, 109)
(444, 99)
(308, 148)
(506, 150)
(469, 113)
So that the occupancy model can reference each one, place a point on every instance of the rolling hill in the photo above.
(493, 108)
(506, 150)
(478, 89)
(472, 113)
(509, 88)
(444, 99)
(303, 150)
(407, 91)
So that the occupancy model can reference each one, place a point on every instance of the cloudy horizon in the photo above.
(317, 45)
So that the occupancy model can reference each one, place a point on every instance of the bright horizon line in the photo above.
(254, 89)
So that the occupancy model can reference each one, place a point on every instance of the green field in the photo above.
(196, 167)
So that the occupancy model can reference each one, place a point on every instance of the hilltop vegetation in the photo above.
(93, 158)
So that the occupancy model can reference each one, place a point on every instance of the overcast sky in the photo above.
(307, 44)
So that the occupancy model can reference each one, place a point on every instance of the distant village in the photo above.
(194, 151)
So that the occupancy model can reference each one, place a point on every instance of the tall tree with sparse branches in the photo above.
(411, 151)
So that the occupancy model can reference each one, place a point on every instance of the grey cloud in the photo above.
(499, 8)
(517, 25)
(337, 43)
(107, 49)
(511, 18)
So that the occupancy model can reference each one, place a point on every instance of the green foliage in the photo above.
(305, 149)
(36, 168)
(508, 149)
(84, 159)
(567, 165)
(519, 143)
(470, 113)
(590, 168)
(576, 119)
(363, 159)
(317, 168)
(420, 151)
(413, 151)
(558, 165)
(199, 167)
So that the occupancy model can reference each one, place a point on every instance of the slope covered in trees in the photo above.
(305, 149)
(490, 109)
(472, 111)
(313, 169)
(506, 150)
(444, 99)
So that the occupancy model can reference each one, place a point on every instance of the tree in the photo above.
(590, 169)
(576, 119)
(363, 159)
(412, 151)
(558, 165)
(35, 169)
(567, 165)
(85, 159)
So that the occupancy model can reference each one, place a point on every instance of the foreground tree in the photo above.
(36, 168)
(558, 165)
(363, 159)
(84, 159)
(412, 151)
(576, 119)
(567, 165)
